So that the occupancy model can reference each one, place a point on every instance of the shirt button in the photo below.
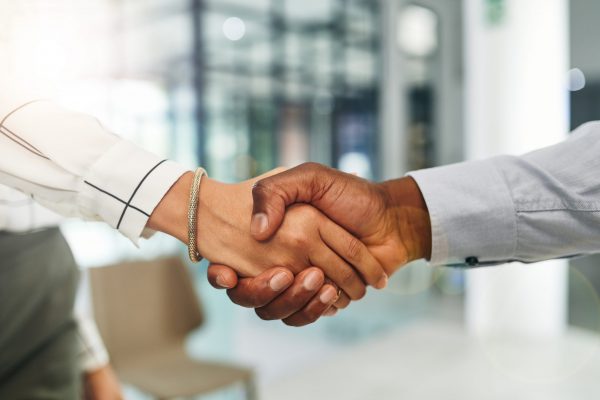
(472, 261)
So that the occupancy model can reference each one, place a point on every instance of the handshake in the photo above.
(301, 243)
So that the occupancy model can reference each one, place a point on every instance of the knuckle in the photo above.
(304, 214)
(292, 264)
(354, 248)
(261, 186)
(347, 277)
(268, 195)
(279, 170)
(254, 296)
(311, 166)
(312, 213)
(301, 241)
(297, 239)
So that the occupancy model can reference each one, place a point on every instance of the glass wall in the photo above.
(285, 82)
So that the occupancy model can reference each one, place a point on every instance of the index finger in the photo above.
(221, 276)
(262, 289)
(354, 252)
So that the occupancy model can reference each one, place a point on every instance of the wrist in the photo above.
(224, 224)
(221, 208)
(407, 209)
(215, 208)
(170, 215)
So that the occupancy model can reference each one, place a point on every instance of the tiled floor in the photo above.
(437, 360)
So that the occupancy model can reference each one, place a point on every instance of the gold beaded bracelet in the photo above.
(193, 252)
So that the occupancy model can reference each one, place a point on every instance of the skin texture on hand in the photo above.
(390, 217)
(275, 294)
(306, 237)
(102, 384)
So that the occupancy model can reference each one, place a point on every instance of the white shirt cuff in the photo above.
(471, 210)
(126, 184)
(93, 354)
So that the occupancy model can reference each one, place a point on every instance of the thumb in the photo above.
(273, 194)
(268, 209)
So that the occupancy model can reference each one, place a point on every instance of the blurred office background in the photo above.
(373, 87)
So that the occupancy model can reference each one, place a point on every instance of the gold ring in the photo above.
(339, 293)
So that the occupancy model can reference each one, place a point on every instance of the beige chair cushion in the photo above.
(168, 373)
(141, 306)
(144, 310)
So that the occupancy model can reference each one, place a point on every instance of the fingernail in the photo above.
(382, 282)
(221, 282)
(330, 312)
(312, 281)
(328, 296)
(259, 223)
(280, 281)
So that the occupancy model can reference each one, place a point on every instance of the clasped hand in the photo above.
(304, 242)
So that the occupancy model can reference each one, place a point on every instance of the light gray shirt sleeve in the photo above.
(539, 206)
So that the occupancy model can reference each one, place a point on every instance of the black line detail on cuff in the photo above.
(116, 198)
(135, 191)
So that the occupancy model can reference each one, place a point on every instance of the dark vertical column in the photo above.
(376, 52)
(338, 40)
(278, 42)
(197, 9)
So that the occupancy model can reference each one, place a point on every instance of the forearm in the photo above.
(471, 212)
(216, 202)
(93, 353)
(409, 213)
(538, 206)
(71, 164)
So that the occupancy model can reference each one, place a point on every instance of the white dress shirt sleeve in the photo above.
(543, 205)
(92, 352)
(71, 164)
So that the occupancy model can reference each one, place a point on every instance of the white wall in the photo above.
(516, 102)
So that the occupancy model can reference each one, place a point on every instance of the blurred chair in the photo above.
(144, 310)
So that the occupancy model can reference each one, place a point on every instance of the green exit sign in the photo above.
(495, 11)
